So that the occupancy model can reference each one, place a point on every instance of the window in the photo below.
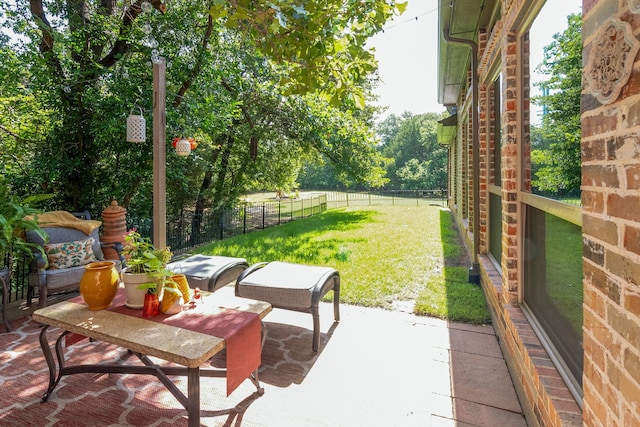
(551, 248)
(555, 101)
(553, 291)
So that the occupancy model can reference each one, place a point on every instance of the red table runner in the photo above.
(240, 330)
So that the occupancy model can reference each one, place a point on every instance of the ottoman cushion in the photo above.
(283, 284)
(209, 273)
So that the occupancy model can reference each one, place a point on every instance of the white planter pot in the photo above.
(135, 296)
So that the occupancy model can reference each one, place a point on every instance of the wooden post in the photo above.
(159, 156)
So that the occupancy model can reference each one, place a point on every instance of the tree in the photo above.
(388, 128)
(321, 43)
(235, 73)
(418, 161)
(559, 164)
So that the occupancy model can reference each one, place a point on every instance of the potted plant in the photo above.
(146, 270)
(16, 217)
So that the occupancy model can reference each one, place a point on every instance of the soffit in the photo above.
(461, 19)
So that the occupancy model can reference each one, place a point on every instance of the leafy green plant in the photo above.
(142, 257)
(17, 217)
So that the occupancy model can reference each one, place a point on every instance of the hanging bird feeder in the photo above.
(136, 127)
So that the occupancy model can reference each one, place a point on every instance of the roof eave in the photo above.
(461, 19)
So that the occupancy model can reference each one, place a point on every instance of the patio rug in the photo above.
(123, 399)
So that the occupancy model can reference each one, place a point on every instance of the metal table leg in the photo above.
(193, 396)
(191, 401)
(54, 373)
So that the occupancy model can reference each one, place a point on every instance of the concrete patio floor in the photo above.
(380, 368)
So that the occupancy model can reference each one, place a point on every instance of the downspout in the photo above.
(474, 271)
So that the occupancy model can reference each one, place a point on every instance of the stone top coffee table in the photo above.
(176, 342)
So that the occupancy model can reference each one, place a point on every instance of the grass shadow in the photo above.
(448, 294)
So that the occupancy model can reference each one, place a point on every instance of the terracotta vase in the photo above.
(114, 229)
(99, 284)
(135, 296)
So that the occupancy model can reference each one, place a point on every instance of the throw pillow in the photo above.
(70, 254)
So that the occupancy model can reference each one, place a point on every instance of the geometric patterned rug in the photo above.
(121, 399)
(375, 368)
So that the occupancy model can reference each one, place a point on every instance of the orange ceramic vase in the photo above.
(99, 284)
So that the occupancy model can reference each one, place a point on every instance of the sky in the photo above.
(407, 53)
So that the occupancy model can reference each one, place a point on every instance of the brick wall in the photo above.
(544, 396)
(611, 234)
(485, 109)
(509, 164)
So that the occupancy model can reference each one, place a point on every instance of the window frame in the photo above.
(564, 211)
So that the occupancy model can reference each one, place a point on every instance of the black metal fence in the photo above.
(19, 276)
(191, 231)
(387, 197)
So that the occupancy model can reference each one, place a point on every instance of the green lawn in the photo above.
(384, 254)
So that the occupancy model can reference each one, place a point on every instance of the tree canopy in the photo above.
(261, 86)
(418, 162)
(320, 43)
(556, 145)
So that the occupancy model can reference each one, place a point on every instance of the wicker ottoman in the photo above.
(209, 273)
(292, 287)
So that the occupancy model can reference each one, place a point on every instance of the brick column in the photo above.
(611, 228)
(485, 115)
(469, 156)
(509, 163)
(461, 169)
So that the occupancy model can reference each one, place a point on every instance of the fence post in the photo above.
(244, 219)
(263, 214)
(221, 224)
(279, 211)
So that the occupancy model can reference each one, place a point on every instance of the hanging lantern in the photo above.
(183, 147)
(136, 128)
